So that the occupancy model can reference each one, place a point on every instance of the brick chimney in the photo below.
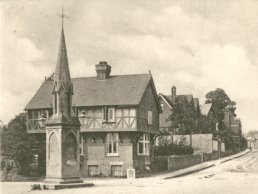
(103, 70)
(227, 117)
(173, 92)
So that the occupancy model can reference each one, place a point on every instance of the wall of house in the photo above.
(141, 163)
(232, 123)
(125, 119)
(227, 119)
(33, 117)
(148, 104)
(166, 112)
(95, 154)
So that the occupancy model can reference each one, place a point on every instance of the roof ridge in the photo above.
(111, 76)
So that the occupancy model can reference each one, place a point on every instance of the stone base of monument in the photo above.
(54, 184)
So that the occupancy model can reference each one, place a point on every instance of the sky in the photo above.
(197, 45)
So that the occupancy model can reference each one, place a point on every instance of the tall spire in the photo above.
(63, 88)
(62, 66)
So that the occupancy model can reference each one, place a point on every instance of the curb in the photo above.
(189, 172)
(209, 164)
(242, 154)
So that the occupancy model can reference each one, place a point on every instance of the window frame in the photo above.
(114, 140)
(145, 143)
(94, 169)
(106, 114)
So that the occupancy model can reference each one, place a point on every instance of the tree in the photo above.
(252, 133)
(220, 100)
(17, 144)
(184, 118)
(206, 124)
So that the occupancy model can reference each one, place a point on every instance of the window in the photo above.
(112, 144)
(82, 145)
(93, 170)
(116, 170)
(149, 117)
(143, 146)
(108, 114)
(162, 106)
(38, 114)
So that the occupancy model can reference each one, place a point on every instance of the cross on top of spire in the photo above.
(63, 16)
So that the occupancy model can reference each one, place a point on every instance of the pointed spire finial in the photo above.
(62, 15)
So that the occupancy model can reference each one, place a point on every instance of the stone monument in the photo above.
(62, 130)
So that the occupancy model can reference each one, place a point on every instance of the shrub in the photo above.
(172, 149)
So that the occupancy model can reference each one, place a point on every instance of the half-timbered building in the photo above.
(118, 114)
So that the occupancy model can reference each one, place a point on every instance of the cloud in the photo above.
(21, 72)
(81, 69)
(197, 47)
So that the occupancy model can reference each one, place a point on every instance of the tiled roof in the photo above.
(189, 98)
(205, 108)
(88, 91)
(168, 99)
(179, 98)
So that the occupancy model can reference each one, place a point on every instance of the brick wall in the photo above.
(210, 156)
(173, 163)
(95, 156)
(178, 162)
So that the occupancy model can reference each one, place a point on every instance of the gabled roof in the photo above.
(165, 99)
(189, 98)
(205, 108)
(168, 98)
(88, 91)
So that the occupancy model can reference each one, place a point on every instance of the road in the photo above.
(236, 176)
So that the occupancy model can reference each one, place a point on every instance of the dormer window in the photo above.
(108, 114)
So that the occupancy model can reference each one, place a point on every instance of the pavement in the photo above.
(234, 174)
(203, 165)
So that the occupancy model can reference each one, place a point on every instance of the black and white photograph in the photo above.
(129, 96)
